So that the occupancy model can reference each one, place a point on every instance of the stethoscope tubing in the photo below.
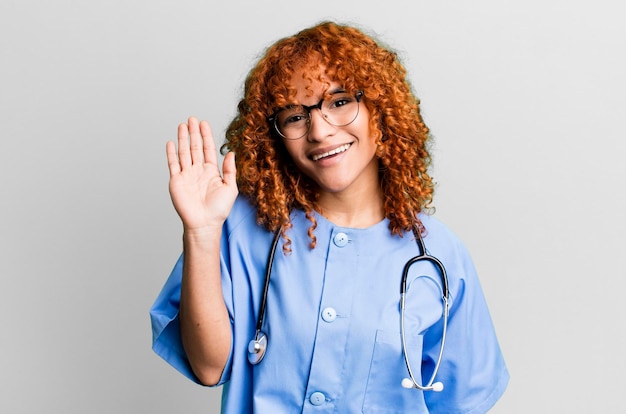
(424, 256)
(266, 283)
(257, 346)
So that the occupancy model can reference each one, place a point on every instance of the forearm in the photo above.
(204, 321)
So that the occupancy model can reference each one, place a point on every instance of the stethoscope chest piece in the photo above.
(256, 348)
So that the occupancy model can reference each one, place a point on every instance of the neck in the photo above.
(353, 210)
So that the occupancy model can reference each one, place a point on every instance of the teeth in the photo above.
(333, 152)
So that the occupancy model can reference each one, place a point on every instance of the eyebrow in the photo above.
(329, 92)
(338, 89)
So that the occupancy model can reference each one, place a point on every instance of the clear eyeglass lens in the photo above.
(339, 109)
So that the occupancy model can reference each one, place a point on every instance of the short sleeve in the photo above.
(166, 341)
(164, 316)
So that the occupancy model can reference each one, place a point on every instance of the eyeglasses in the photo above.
(294, 121)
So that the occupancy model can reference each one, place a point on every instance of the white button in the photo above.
(329, 314)
(340, 239)
(317, 398)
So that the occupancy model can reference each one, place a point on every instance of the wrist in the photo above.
(202, 234)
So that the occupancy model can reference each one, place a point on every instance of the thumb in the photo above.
(229, 169)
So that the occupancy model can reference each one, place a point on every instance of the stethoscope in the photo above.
(258, 346)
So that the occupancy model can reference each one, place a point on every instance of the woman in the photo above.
(328, 153)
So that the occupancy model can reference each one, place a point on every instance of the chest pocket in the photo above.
(384, 393)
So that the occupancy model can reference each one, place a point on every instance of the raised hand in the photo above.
(201, 195)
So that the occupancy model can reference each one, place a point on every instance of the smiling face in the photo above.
(340, 159)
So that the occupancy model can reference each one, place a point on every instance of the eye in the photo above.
(340, 101)
(292, 116)
(294, 119)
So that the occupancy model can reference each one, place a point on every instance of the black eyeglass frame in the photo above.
(272, 118)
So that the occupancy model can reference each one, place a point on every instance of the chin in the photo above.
(333, 188)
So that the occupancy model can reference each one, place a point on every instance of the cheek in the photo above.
(366, 134)
(363, 125)
(292, 148)
(295, 153)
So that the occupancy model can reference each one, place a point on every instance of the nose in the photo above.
(320, 128)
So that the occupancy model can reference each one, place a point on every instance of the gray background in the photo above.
(526, 101)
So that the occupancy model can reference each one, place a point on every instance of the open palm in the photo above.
(201, 195)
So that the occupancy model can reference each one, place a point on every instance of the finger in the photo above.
(229, 169)
(184, 157)
(195, 141)
(172, 158)
(209, 148)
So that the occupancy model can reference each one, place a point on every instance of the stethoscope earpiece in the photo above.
(409, 383)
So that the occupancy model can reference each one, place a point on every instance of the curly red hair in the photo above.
(265, 172)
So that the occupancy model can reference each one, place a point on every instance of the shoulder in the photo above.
(444, 244)
(242, 215)
(439, 233)
(241, 229)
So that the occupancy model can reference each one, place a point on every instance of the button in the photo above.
(329, 314)
(340, 239)
(317, 398)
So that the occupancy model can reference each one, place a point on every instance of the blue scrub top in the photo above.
(333, 321)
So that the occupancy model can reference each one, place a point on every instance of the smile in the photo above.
(337, 150)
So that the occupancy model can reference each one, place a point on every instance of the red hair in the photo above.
(265, 172)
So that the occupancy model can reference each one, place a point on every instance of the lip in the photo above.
(323, 153)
